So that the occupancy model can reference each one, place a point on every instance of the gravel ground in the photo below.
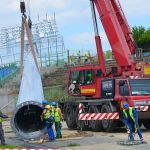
(81, 140)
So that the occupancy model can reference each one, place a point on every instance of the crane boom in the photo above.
(117, 34)
(124, 25)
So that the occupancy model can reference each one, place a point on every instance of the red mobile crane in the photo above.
(102, 92)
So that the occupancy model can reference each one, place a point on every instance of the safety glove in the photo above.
(136, 126)
(41, 118)
(62, 118)
(128, 130)
(60, 125)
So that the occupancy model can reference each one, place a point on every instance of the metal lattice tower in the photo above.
(46, 38)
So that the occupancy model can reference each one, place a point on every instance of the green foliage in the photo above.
(141, 36)
(108, 54)
(12, 65)
(55, 93)
(73, 144)
(137, 32)
(10, 146)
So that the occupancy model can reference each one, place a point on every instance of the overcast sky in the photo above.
(73, 18)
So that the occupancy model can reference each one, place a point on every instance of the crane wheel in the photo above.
(146, 123)
(96, 125)
(70, 117)
(77, 116)
(81, 124)
(108, 125)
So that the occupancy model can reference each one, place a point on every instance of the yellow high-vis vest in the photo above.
(1, 119)
(130, 113)
(56, 115)
(48, 112)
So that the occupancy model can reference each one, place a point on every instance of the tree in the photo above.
(108, 54)
(141, 36)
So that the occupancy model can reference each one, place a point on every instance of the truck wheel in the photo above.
(120, 124)
(108, 125)
(146, 123)
(81, 125)
(96, 125)
(70, 117)
(77, 116)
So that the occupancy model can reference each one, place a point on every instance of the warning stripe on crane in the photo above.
(104, 116)
(81, 107)
(134, 77)
(98, 116)
(141, 108)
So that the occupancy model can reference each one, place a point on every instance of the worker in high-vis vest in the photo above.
(130, 118)
(85, 58)
(2, 138)
(57, 117)
(89, 78)
(47, 116)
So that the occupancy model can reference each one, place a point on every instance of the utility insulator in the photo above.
(22, 7)
(29, 23)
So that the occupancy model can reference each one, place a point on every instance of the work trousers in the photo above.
(2, 134)
(58, 130)
(131, 126)
(50, 131)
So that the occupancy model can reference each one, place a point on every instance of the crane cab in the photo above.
(84, 81)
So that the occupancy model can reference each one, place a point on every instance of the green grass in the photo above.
(73, 144)
(55, 93)
(9, 146)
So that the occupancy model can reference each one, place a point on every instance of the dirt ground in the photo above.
(77, 140)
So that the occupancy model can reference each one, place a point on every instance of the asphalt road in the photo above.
(87, 140)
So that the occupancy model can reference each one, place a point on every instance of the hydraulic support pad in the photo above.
(130, 143)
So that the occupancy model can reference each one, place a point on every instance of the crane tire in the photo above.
(146, 123)
(81, 125)
(70, 117)
(108, 125)
(96, 125)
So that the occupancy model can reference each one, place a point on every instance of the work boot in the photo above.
(142, 140)
(52, 139)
